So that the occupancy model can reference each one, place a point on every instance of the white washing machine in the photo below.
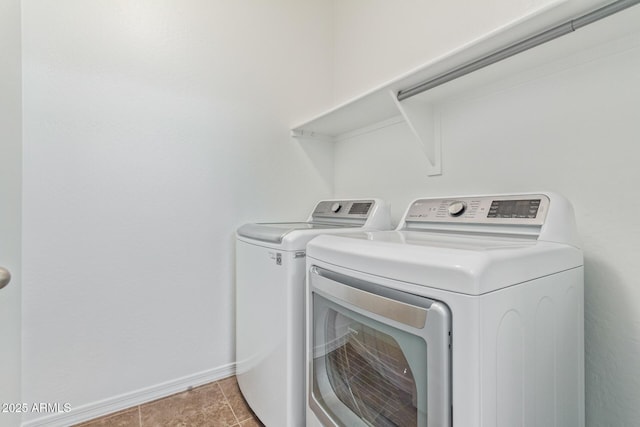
(270, 274)
(469, 314)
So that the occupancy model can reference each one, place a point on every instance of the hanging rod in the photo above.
(521, 46)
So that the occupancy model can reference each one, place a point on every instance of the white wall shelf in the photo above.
(380, 107)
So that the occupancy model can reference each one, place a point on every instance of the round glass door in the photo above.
(366, 372)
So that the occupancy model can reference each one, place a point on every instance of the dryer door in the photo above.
(380, 357)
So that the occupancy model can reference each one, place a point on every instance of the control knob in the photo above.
(457, 208)
(335, 207)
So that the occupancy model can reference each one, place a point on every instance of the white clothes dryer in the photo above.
(469, 314)
(270, 298)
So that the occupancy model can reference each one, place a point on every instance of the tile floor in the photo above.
(218, 404)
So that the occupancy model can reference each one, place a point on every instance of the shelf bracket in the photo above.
(424, 121)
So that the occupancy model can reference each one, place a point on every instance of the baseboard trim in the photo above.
(117, 403)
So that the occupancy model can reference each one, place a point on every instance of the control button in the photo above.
(336, 207)
(457, 208)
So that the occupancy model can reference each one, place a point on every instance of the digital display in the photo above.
(359, 208)
(514, 208)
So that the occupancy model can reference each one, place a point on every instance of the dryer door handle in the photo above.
(388, 308)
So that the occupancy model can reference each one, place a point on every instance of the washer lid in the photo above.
(276, 231)
(464, 264)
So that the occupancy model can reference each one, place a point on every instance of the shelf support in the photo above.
(424, 121)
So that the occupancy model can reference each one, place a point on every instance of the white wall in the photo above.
(152, 129)
(10, 205)
(573, 130)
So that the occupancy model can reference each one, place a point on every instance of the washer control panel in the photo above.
(529, 209)
(343, 209)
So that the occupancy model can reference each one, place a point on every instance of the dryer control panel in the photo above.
(529, 209)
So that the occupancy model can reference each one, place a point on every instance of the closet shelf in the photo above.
(380, 107)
